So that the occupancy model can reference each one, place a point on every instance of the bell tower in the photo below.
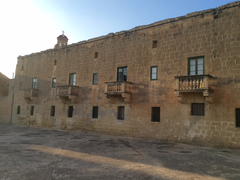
(62, 41)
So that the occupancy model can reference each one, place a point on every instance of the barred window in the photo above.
(70, 111)
(155, 114)
(198, 109)
(95, 112)
(18, 110)
(52, 110)
(237, 117)
(32, 110)
(120, 113)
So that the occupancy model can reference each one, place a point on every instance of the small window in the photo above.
(95, 112)
(120, 113)
(34, 83)
(154, 70)
(154, 44)
(22, 68)
(18, 110)
(122, 74)
(70, 111)
(155, 114)
(237, 117)
(95, 79)
(72, 79)
(55, 62)
(32, 110)
(20, 85)
(197, 109)
(52, 110)
(196, 66)
(54, 82)
(96, 55)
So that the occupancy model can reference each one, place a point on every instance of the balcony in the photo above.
(31, 95)
(68, 94)
(194, 83)
(120, 88)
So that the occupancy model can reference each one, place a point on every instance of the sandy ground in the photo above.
(32, 153)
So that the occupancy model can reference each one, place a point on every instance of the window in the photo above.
(95, 112)
(72, 79)
(154, 72)
(22, 68)
(18, 110)
(96, 55)
(32, 110)
(95, 79)
(122, 74)
(197, 109)
(55, 62)
(196, 66)
(154, 44)
(237, 117)
(70, 111)
(34, 83)
(20, 85)
(54, 82)
(120, 113)
(155, 114)
(52, 113)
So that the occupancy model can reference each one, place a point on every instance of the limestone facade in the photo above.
(175, 80)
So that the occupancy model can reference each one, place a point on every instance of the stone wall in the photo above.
(213, 34)
(6, 103)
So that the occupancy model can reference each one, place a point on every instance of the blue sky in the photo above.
(29, 26)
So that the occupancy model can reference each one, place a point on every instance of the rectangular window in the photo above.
(95, 112)
(18, 110)
(72, 79)
(95, 79)
(20, 85)
(154, 70)
(155, 114)
(70, 111)
(54, 82)
(52, 110)
(22, 68)
(196, 66)
(122, 74)
(96, 55)
(237, 117)
(34, 83)
(32, 110)
(198, 109)
(120, 113)
(55, 62)
(154, 44)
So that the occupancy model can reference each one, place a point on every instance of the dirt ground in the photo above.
(40, 154)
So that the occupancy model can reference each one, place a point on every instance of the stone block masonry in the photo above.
(183, 76)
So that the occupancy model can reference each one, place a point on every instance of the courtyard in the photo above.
(30, 153)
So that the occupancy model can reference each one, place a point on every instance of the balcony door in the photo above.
(196, 66)
(72, 79)
(122, 74)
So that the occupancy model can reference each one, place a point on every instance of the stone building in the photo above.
(176, 80)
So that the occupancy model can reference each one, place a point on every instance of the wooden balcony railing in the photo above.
(122, 88)
(68, 93)
(30, 95)
(194, 83)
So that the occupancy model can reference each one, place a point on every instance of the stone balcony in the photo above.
(68, 93)
(119, 88)
(31, 95)
(194, 83)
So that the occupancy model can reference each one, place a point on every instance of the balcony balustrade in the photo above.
(194, 83)
(68, 94)
(31, 95)
(122, 88)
